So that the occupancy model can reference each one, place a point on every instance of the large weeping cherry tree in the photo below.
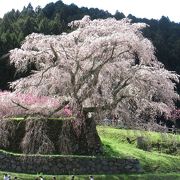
(101, 66)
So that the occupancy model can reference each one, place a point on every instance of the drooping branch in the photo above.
(66, 54)
(20, 105)
(54, 61)
(106, 106)
(120, 85)
(42, 75)
(88, 91)
(61, 106)
(118, 100)
(27, 112)
(55, 53)
(91, 72)
(5, 57)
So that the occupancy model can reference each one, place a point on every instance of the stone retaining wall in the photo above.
(66, 164)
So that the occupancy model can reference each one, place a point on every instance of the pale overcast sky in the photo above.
(139, 8)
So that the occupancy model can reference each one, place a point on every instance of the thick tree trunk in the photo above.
(80, 137)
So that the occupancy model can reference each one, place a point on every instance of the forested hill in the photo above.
(54, 17)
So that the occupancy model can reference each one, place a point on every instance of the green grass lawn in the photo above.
(159, 176)
(156, 164)
(147, 176)
(115, 144)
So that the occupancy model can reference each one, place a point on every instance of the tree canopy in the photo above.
(106, 64)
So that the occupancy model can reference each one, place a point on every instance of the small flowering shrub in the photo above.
(17, 104)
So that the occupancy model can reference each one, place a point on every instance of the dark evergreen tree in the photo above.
(119, 15)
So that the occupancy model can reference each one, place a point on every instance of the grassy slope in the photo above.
(116, 145)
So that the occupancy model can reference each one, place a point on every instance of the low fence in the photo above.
(173, 130)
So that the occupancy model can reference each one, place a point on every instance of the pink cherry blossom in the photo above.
(102, 63)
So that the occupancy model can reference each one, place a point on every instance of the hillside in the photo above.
(54, 19)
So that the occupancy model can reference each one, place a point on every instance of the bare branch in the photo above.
(20, 105)
(42, 75)
(54, 60)
(5, 57)
(61, 106)
(55, 53)
(66, 54)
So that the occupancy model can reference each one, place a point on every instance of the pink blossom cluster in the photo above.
(67, 110)
(17, 104)
(30, 99)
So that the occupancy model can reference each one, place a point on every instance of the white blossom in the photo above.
(102, 63)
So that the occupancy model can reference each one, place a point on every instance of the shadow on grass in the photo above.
(109, 151)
